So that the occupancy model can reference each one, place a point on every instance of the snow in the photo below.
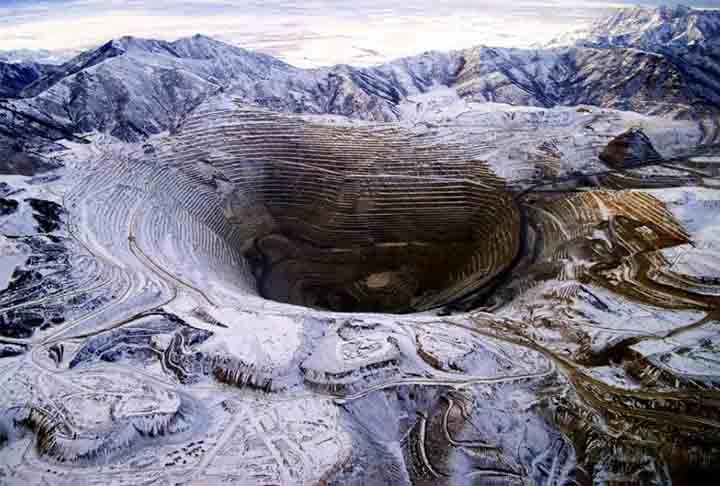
(263, 340)
(11, 255)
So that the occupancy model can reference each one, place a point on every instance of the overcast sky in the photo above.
(304, 33)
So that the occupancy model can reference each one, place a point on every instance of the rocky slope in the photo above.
(683, 42)
(15, 76)
(625, 79)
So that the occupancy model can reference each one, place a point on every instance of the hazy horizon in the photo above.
(319, 32)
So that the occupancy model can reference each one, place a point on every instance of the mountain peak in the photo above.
(130, 43)
(198, 46)
(202, 37)
(652, 29)
(220, 61)
(639, 17)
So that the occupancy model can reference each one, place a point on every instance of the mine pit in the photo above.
(353, 219)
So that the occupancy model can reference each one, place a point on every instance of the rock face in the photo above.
(631, 148)
(435, 289)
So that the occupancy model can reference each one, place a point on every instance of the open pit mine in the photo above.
(480, 267)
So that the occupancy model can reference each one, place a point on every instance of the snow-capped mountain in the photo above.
(132, 88)
(213, 61)
(652, 29)
(624, 79)
(684, 44)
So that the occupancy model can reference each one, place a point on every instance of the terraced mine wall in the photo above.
(349, 218)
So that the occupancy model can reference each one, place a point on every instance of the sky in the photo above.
(304, 33)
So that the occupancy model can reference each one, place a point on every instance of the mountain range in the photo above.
(653, 61)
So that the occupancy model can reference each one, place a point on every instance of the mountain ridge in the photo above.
(132, 87)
